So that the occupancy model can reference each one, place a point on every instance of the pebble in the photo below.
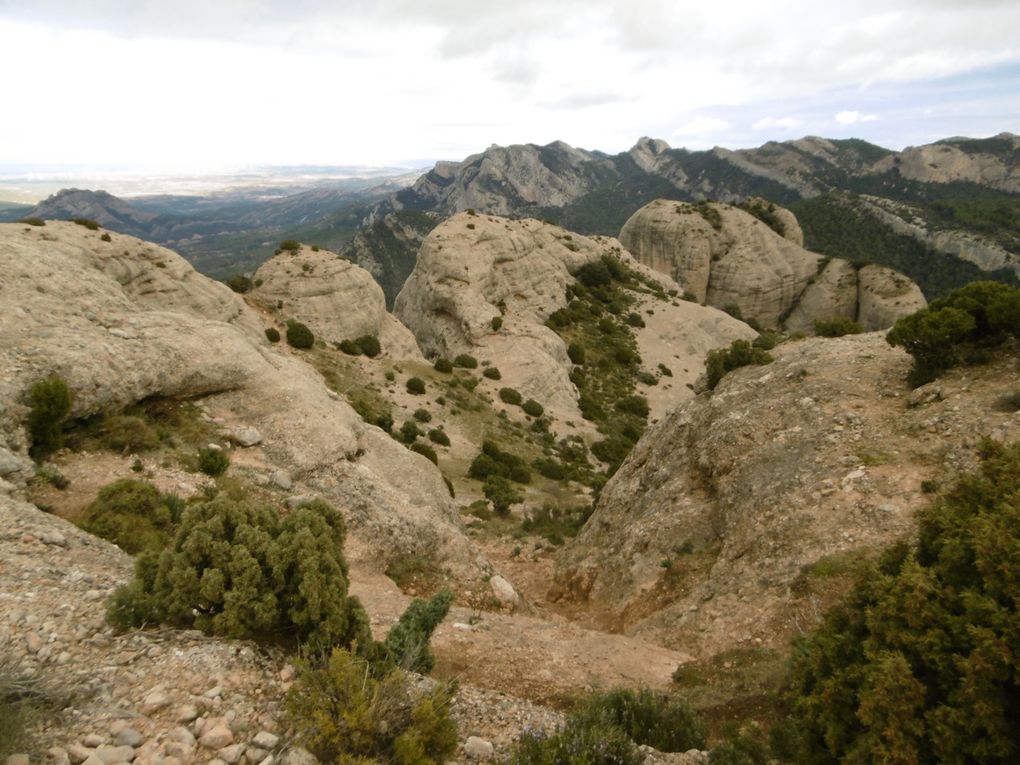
(217, 737)
(478, 748)
(266, 740)
(127, 736)
(115, 755)
(154, 701)
(231, 754)
(93, 740)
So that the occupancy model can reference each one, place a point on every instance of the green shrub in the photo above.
(299, 335)
(106, 238)
(510, 396)
(665, 371)
(533, 408)
(492, 373)
(438, 436)
(407, 644)
(88, 223)
(465, 361)
(422, 415)
(635, 404)
(918, 663)
(740, 354)
(213, 462)
(550, 468)
(576, 744)
(133, 515)
(272, 334)
(948, 332)
(349, 347)
(369, 345)
(127, 433)
(239, 283)
(634, 319)
(575, 351)
(426, 451)
(50, 402)
(291, 245)
(416, 386)
(241, 571)
(493, 461)
(496, 323)
(345, 713)
(501, 494)
(659, 720)
(32, 221)
(409, 432)
(837, 327)
(613, 451)
(443, 365)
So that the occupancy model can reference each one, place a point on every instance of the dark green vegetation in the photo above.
(349, 712)
(88, 223)
(919, 664)
(957, 329)
(407, 644)
(299, 335)
(367, 345)
(837, 327)
(50, 402)
(607, 727)
(839, 226)
(741, 353)
(494, 461)
(272, 334)
(239, 283)
(213, 462)
(601, 344)
(556, 524)
(31, 221)
(501, 494)
(238, 570)
(134, 515)
(766, 213)
(416, 386)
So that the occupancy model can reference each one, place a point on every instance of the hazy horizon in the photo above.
(142, 82)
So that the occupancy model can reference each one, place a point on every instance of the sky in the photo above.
(194, 84)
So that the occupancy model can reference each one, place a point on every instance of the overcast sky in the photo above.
(228, 82)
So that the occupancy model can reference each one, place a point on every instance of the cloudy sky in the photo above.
(225, 82)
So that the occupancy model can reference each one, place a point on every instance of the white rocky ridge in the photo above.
(725, 257)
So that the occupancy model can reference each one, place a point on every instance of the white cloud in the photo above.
(784, 123)
(854, 117)
(373, 79)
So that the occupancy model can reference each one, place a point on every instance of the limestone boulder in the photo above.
(722, 255)
(832, 295)
(337, 299)
(884, 296)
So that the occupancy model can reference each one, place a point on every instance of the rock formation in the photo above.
(120, 328)
(988, 162)
(724, 256)
(337, 299)
(475, 268)
(728, 522)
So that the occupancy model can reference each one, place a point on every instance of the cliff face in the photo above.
(731, 518)
(724, 256)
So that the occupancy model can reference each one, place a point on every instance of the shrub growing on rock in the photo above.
(32, 221)
(492, 373)
(346, 713)
(533, 408)
(494, 461)
(299, 335)
(239, 283)
(133, 515)
(465, 361)
(50, 402)
(837, 327)
(369, 345)
(425, 451)
(496, 323)
(438, 436)
(416, 386)
(919, 662)
(126, 433)
(407, 644)
(575, 351)
(291, 245)
(659, 720)
(501, 494)
(740, 354)
(241, 571)
(949, 331)
(422, 415)
(510, 396)
(213, 462)
(88, 223)
(272, 334)
(443, 365)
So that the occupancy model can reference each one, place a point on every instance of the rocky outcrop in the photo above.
(100, 206)
(988, 162)
(121, 328)
(723, 256)
(473, 269)
(387, 248)
(337, 299)
(732, 521)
